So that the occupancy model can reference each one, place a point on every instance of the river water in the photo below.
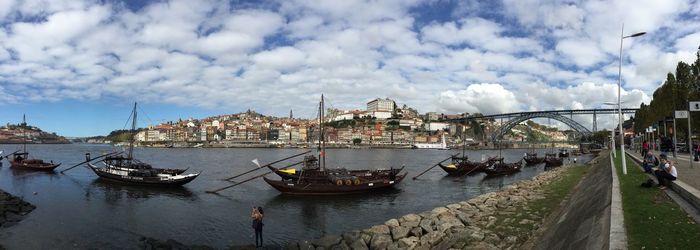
(77, 210)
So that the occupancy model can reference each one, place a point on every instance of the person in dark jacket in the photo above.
(257, 216)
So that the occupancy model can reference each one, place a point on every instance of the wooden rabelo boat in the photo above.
(563, 153)
(21, 160)
(461, 165)
(551, 160)
(501, 168)
(532, 159)
(315, 179)
(311, 171)
(126, 169)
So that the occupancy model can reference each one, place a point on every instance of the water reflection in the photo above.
(116, 191)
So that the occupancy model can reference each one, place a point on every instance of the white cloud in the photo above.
(487, 98)
(532, 55)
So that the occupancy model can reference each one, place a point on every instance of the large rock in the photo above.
(490, 202)
(392, 223)
(431, 238)
(378, 229)
(440, 210)
(454, 206)
(306, 245)
(352, 236)
(448, 221)
(327, 241)
(417, 231)
(427, 225)
(358, 244)
(399, 232)
(380, 241)
(410, 220)
(409, 242)
(341, 246)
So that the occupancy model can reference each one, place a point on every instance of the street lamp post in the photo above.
(619, 107)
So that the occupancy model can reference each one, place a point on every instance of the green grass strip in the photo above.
(652, 219)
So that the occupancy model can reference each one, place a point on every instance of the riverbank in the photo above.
(499, 220)
(12, 209)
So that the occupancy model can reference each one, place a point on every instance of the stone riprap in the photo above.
(470, 224)
(12, 209)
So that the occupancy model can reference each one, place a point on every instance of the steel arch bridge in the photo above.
(518, 117)
(583, 131)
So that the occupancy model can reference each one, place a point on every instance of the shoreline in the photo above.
(477, 223)
(13, 209)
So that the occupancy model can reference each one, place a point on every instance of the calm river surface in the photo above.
(76, 210)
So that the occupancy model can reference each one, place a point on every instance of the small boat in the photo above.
(551, 160)
(315, 179)
(126, 169)
(563, 153)
(532, 159)
(462, 165)
(20, 160)
(500, 168)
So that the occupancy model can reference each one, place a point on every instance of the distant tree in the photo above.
(356, 141)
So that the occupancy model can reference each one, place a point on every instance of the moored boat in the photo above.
(21, 160)
(462, 165)
(315, 179)
(551, 160)
(532, 159)
(501, 168)
(126, 169)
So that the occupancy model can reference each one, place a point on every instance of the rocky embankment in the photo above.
(12, 209)
(497, 220)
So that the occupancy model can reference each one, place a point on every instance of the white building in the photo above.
(381, 114)
(435, 126)
(379, 104)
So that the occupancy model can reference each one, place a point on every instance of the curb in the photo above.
(618, 235)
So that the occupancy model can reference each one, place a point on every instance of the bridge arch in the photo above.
(583, 131)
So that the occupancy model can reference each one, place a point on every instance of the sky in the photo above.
(76, 67)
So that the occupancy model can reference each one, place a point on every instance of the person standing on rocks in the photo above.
(257, 216)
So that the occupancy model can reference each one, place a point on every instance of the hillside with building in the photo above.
(23, 133)
(382, 123)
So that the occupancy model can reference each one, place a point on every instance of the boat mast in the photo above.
(24, 131)
(322, 139)
(133, 133)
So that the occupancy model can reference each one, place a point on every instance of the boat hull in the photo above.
(328, 188)
(463, 168)
(124, 177)
(316, 175)
(34, 166)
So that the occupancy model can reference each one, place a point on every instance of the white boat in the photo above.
(441, 146)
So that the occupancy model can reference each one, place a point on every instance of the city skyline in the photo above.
(76, 67)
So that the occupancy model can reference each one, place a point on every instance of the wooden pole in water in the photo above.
(249, 179)
(263, 166)
(434, 166)
(105, 155)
